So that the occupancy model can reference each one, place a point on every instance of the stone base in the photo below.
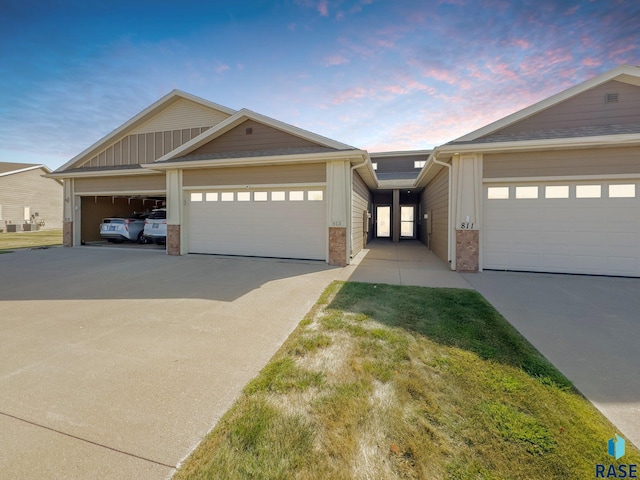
(467, 250)
(67, 234)
(338, 246)
(173, 239)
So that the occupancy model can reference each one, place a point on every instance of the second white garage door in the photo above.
(283, 223)
(569, 227)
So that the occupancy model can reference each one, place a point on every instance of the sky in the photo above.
(380, 75)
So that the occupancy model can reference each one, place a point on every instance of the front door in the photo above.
(407, 221)
(383, 221)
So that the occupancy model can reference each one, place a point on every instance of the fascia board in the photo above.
(21, 170)
(622, 72)
(102, 173)
(402, 153)
(140, 119)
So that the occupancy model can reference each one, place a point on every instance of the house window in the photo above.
(244, 196)
(315, 195)
(527, 192)
(296, 196)
(622, 191)
(498, 193)
(226, 196)
(556, 191)
(588, 191)
(0, 212)
(277, 196)
(196, 197)
(419, 163)
(211, 196)
(374, 165)
(27, 214)
(259, 196)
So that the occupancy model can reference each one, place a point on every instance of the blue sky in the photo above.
(380, 75)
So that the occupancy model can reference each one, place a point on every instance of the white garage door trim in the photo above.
(588, 227)
(266, 222)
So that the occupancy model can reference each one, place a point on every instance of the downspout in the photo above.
(353, 168)
(445, 164)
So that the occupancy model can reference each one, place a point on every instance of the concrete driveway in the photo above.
(588, 327)
(114, 363)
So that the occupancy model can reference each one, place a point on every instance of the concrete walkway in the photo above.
(406, 263)
(587, 326)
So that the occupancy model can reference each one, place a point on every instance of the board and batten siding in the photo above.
(361, 201)
(109, 185)
(595, 161)
(253, 136)
(434, 200)
(183, 114)
(30, 189)
(262, 175)
(586, 109)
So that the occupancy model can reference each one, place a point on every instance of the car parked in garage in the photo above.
(155, 226)
(119, 229)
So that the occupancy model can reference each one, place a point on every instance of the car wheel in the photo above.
(141, 238)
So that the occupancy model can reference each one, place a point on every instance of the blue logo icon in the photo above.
(616, 447)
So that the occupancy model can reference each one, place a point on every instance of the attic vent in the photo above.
(249, 131)
(611, 98)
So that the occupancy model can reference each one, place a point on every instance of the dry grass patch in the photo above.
(391, 382)
(40, 238)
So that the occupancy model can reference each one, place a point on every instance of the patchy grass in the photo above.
(389, 382)
(40, 238)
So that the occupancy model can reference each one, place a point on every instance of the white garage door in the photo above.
(285, 223)
(570, 227)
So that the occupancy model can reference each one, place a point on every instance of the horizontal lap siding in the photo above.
(262, 137)
(182, 114)
(586, 109)
(29, 189)
(274, 174)
(596, 161)
(435, 199)
(361, 199)
(130, 185)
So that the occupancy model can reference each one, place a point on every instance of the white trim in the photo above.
(624, 73)
(400, 153)
(131, 193)
(103, 173)
(564, 178)
(256, 186)
(26, 169)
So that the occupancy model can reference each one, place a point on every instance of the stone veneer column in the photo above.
(67, 234)
(173, 239)
(338, 246)
(467, 248)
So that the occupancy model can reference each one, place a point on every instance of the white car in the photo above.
(118, 229)
(155, 226)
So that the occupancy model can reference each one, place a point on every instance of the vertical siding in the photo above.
(361, 202)
(435, 201)
(29, 189)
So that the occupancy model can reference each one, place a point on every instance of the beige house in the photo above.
(551, 188)
(28, 199)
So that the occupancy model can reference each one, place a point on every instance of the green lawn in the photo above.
(393, 382)
(41, 238)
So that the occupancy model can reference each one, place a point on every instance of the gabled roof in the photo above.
(7, 168)
(143, 117)
(624, 73)
(240, 117)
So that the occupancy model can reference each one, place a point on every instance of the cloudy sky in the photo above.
(376, 74)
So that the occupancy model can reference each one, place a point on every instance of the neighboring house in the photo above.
(28, 197)
(553, 187)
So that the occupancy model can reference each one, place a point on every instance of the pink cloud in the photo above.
(572, 10)
(503, 71)
(334, 60)
(349, 95)
(323, 8)
(591, 62)
(522, 43)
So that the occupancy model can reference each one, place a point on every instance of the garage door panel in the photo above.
(572, 235)
(289, 228)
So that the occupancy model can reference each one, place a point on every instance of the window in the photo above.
(588, 191)
(244, 196)
(556, 191)
(277, 196)
(498, 193)
(296, 196)
(622, 191)
(211, 196)
(374, 165)
(259, 196)
(196, 197)
(226, 196)
(27, 214)
(419, 163)
(0, 212)
(315, 195)
(527, 192)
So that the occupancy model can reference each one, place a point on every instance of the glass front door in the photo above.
(383, 221)
(407, 221)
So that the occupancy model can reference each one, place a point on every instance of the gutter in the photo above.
(449, 209)
(350, 213)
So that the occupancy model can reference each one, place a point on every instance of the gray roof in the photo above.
(573, 132)
(254, 153)
(397, 175)
(100, 169)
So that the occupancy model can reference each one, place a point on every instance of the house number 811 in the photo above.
(466, 225)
